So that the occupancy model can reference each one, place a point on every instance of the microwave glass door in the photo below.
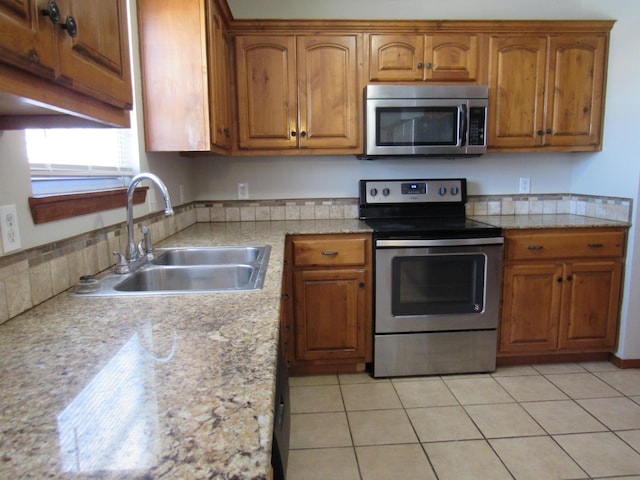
(418, 126)
(438, 284)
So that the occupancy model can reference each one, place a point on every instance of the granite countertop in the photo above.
(170, 386)
(547, 221)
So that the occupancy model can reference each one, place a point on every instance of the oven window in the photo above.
(407, 126)
(438, 284)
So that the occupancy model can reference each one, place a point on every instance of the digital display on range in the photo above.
(414, 188)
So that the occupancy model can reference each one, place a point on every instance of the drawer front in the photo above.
(328, 252)
(564, 245)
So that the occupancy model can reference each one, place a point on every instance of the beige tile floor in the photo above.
(539, 422)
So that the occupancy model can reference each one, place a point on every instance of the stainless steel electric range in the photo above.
(437, 278)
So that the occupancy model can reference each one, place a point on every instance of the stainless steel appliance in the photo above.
(437, 278)
(425, 120)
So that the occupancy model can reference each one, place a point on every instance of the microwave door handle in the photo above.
(462, 112)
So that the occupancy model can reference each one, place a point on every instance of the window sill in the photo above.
(47, 208)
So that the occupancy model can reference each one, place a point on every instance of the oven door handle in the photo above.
(444, 242)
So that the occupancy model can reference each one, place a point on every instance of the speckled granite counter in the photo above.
(178, 387)
(547, 221)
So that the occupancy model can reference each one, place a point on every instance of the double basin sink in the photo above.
(188, 270)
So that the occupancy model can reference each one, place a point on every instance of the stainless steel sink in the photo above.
(189, 270)
(209, 255)
(201, 278)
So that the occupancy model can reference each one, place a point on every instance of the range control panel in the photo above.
(448, 190)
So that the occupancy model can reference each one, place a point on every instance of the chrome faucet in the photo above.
(132, 252)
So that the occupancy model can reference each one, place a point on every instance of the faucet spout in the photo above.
(132, 252)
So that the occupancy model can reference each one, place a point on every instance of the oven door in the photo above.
(437, 285)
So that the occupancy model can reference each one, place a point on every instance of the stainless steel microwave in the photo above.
(425, 120)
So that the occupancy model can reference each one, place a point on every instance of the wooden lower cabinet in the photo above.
(327, 302)
(561, 292)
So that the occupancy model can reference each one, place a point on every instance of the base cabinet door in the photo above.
(327, 300)
(328, 313)
(531, 303)
(591, 305)
(561, 292)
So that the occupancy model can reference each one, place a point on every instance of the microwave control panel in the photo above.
(449, 190)
(477, 122)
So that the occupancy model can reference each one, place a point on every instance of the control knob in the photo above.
(386, 192)
(454, 190)
(373, 192)
(442, 191)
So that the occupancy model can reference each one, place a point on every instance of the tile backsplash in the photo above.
(310, 209)
(30, 277)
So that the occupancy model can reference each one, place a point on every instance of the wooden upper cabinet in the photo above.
(64, 64)
(267, 92)
(516, 90)
(96, 59)
(27, 37)
(329, 97)
(184, 53)
(562, 75)
(576, 90)
(430, 58)
(298, 92)
(220, 83)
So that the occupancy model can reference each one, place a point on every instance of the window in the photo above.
(77, 160)
(80, 171)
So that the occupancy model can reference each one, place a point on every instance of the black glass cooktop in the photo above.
(437, 227)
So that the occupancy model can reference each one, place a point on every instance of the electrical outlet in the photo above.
(243, 191)
(525, 184)
(9, 228)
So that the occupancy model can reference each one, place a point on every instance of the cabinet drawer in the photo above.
(529, 246)
(349, 251)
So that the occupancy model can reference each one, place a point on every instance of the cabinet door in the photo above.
(96, 60)
(516, 90)
(330, 314)
(451, 58)
(591, 305)
(220, 84)
(575, 92)
(530, 308)
(27, 36)
(396, 57)
(267, 99)
(329, 98)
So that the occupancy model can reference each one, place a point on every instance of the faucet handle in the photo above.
(148, 247)
(121, 266)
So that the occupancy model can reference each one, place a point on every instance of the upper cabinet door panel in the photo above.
(96, 60)
(267, 115)
(451, 58)
(516, 90)
(328, 91)
(576, 79)
(27, 36)
(396, 57)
